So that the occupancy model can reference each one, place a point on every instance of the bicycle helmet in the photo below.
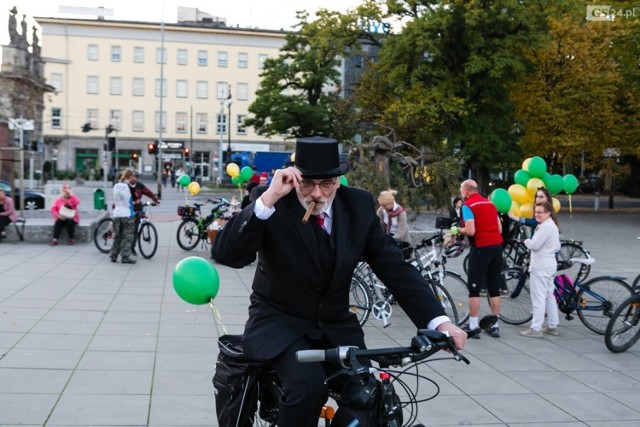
(360, 391)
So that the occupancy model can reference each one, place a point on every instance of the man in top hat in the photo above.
(300, 297)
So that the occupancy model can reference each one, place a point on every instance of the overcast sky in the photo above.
(267, 14)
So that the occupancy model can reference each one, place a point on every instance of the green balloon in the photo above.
(545, 178)
(537, 167)
(184, 180)
(343, 181)
(196, 280)
(502, 199)
(521, 177)
(570, 183)
(246, 173)
(234, 180)
(554, 184)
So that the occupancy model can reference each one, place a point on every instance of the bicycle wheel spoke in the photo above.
(598, 299)
(147, 240)
(459, 294)
(359, 300)
(575, 270)
(623, 330)
(188, 234)
(516, 308)
(103, 235)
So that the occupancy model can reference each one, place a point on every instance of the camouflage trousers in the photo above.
(123, 236)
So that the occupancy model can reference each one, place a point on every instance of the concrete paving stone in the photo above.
(65, 327)
(9, 339)
(514, 362)
(29, 303)
(126, 329)
(100, 410)
(132, 317)
(440, 412)
(630, 399)
(16, 325)
(542, 382)
(593, 407)
(135, 306)
(613, 424)
(83, 295)
(181, 410)
(606, 381)
(75, 315)
(54, 342)
(179, 361)
(40, 359)
(26, 409)
(19, 381)
(74, 304)
(123, 343)
(110, 382)
(183, 383)
(626, 361)
(478, 383)
(186, 345)
(118, 360)
(176, 330)
(530, 407)
(148, 298)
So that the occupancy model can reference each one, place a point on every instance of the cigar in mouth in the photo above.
(307, 214)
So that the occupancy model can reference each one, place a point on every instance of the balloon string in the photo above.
(216, 313)
(571, 215)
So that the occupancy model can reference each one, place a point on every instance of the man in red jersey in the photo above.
(481, 224)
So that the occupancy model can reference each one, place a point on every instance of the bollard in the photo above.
(596, 201)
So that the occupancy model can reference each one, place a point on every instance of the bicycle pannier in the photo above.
(565, 291)
(235, 384)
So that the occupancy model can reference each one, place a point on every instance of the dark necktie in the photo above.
(320, 220)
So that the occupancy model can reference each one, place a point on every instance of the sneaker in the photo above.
(531, 333)
(128, 261)
(54, 242)
(114, 258)
(494, 331)
(504, 293)
(71, 242)
(468, 330)
(551, 331)
(3, 234)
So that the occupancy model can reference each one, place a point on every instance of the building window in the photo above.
(203, 58)
(56, 82)
(115, 85)
(243, 60)
(223, 59)
(243, 91)
(161, 87)
(181, 89)
(182, 57)
(138, 55)
(56, 118)
(201, 122)
(116, 53)
(137, 87)
(137, 121)
(241, 129)
(222, 90)
(181, 122)
(202, 90)
(221, 120)
(93, 84)
(92, 52)
(161, 56)
(115, 119)
(92, 117)
(164, 121)
(261, 58)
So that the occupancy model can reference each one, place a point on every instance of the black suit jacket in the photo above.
(289, 298)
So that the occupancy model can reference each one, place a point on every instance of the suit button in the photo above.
(320, 324)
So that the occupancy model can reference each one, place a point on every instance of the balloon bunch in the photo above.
(520, 197)
(192, 187)
(239, 177)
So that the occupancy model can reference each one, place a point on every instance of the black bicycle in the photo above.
(147, 235)
(358, 388)
(194, 227)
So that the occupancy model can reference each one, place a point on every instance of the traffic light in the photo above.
(111, 144)
(187, 152)
(134, 156)
(110, 129)
(152, 148)
(86, 127)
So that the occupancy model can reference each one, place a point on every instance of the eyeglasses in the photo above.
(540, 212)
(308, 185)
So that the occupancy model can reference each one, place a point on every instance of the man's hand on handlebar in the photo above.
(459, 336)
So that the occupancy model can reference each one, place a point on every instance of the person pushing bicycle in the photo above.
(138, 190)
(300, 297)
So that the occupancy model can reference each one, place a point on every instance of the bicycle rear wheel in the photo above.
(447, 301)
(103, 235)
(598, 299)
(623, 329)
(188, 234)
(458, 291)
(147, 240)
(576, 271)
(360, 301)
(515, 309)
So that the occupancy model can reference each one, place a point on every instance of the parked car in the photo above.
(591, 184)
(32, 199)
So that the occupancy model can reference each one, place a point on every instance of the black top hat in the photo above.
(319, 157)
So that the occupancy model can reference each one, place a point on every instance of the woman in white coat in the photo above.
(542, 269)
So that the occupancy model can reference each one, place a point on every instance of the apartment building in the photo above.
(187, 84)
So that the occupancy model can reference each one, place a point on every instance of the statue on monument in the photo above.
(24, 43)
(35, 47)
(13, 25)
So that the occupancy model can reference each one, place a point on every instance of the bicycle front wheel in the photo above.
(447, 301)
(459, 293)
(147, 240)
(360, 301)
(623, 329)
(576, 271)
(598, 299)
(515, 309)
(103, 235)
(188, 234)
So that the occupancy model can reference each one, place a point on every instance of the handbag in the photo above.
(66, 213)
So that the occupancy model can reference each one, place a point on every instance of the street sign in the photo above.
(21, 124)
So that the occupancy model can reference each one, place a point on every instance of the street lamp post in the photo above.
(220, 163)
(229, 102)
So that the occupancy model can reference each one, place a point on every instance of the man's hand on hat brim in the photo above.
(283, 181)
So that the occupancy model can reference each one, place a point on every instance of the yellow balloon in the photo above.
(515, 208)
(519, 193)
(233, 170)
(193, 188)
(525, 164)
(526, 210)
(532, 185)
(293, 157)
(556, 204)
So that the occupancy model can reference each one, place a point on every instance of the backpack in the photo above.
(235, 384)
(564, 292)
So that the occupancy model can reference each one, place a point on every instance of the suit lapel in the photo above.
(339, 228)
(305, 232)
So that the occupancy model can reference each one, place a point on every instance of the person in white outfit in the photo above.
(542, 269)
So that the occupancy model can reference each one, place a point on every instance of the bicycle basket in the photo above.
(443, 222)
(186, 211)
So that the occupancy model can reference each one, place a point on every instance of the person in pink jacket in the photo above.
(7, 212)
(71, 201)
